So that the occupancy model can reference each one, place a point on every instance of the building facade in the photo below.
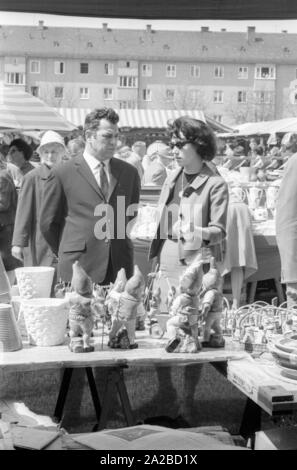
(232, 77)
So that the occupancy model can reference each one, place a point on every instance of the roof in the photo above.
(143, 118)
(139, 118)
(105, 43)
(189, 9)
(267, 127)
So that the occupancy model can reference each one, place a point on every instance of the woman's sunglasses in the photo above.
(179, 143)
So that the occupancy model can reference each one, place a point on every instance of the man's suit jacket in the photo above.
(26, 230)
(71, 221)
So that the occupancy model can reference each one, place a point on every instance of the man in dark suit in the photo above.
(86, 201)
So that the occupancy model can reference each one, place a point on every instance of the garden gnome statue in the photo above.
(170, 297)
(113, 296)
(182, 326)
(80, 315)
(126, 312)
(212, 306)
(154, 303)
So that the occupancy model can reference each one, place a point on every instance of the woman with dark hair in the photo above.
(193, 213)
(194, 201)
(19, 154)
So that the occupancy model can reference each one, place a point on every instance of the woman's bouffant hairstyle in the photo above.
(22, 146)
(197, 132)
(92, 120)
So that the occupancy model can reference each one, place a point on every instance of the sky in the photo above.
(8, 18)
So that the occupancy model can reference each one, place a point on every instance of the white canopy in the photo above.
(267, 127)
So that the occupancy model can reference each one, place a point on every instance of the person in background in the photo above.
(136, 156)
(19, 154)
(162, 161)
(26, 231)
(8, 205)
(76, 147)
(123, 152)
(286, 228)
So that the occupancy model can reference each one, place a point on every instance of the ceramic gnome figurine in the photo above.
(154, 303)
(99, 307)
(184, 312)
(113, 296)
(170, 298)
(80, 315)
(126, 312)
(212, 306)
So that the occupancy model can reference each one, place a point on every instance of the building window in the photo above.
(241, 97)
(59, 68)
(35, 90)
(169, 95)
(84, 93)
(219, 71)
(35, 66)
(128, 82)
(59, 92)
(195, 71)
(15, 78)
(108, 93)
(218, 96)
(146, 70)
(127, 105)
(108, 69)
(84, 67)
(128, 65)
(147, 94)
(217, 117)
(265, 72)
(171, 70)
(243, 72)
(264, 97)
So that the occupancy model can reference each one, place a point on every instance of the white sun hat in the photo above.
(51, 137)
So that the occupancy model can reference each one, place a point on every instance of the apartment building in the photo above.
(232, 76)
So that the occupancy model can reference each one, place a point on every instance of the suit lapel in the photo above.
(85, 171)
(115, 172)
(203, 176)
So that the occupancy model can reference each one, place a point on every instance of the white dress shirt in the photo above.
(93, 163)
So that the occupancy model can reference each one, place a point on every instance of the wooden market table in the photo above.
(266, 389)
(259, 381)
(150, 352)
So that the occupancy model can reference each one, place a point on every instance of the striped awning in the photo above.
(134, 118)
(22, 111)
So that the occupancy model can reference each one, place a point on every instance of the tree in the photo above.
(68, 98)
(252, 106)
(183, 97)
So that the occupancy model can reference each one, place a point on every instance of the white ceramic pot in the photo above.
(46, 320)
(35, 281)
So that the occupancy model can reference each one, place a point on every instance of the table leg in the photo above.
(279, 290)
(122, 391)
(64, 387)
(94, 393)
(114, 379)
(252, 292)
(251, 420)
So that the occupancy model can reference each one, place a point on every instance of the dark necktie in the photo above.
(103, 181)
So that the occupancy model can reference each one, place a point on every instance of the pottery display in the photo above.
(35, 282)
(46, 320)
(10, 339)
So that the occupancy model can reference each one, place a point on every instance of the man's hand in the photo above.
(17, 252)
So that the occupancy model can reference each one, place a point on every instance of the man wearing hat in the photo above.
(26, 230)
(158, 170)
